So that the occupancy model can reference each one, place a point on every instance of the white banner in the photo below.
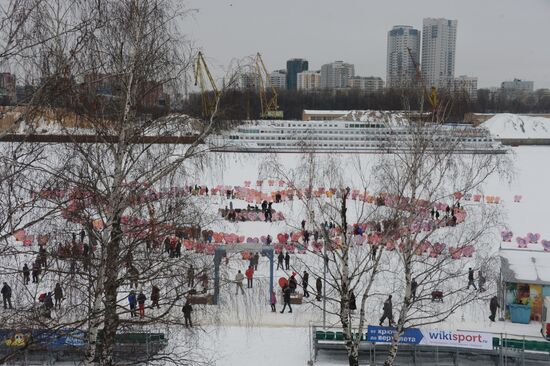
(455, 338)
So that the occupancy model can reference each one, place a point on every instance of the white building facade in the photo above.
(336, 75)
(518, 85)
(400, 69)
(370, 84)
(309, 80)
(278, 79)
(465, 85)
(438, 52)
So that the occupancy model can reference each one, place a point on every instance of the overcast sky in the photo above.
(496, 39)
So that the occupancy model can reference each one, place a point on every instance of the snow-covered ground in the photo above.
(245, 335)
(243, 330)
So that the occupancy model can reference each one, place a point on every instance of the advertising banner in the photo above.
(444, 338)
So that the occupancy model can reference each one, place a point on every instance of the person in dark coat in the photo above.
(352, 302)
(35, 272)
(471, 279)
(155, 297)
(319, 287)
(305, 280)
(178, 249)
(48, 305)
(481, 281)
(141, 302)
(493, 306)
(191, 277)
(286, 299)
(280, 260)
(388, 312)
(132, 300)
(6, 296)
(292, 283)
(287, 261)
(26, 274)
(58, 295)
(167, 245)
(414, 286)
(303, 225)
(82, 235)
(187, 309)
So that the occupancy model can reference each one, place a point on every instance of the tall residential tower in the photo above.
(438, 52)
(293, 67)
(400, 69)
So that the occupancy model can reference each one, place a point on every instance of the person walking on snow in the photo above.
(305, 280)
(414, 286)
(239, 277)
(273, 301)
(280, 259)
(141, 302)
(58, 295)
(6, 296)
(35, 272)
(191, 277)
(287, 261)
(286, 298)
(249, 273)
(26, 274)
(493, 305)
(303, 225)
(319, 287)
(471, 279)
(187, 309)
(132, 301)
(388, 312)
(155, 297)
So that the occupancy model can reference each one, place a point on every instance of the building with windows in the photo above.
(309, 80)
(466, 86)
(438, 52)
(370, 84)
(336, 75)
(278, 79)
(517, 86)
(400, 64)
(293, 67)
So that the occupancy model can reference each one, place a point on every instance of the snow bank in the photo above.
(510, 126)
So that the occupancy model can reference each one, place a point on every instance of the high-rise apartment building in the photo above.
(278, 79)
(336, 75)
(293, 67)
(309, 80)
(400, 69)
(370, 84)
(438, 52)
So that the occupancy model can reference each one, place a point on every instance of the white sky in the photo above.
(497, 40)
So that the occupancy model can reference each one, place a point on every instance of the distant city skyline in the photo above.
(497, 40)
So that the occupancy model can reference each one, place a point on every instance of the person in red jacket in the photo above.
(249, 273)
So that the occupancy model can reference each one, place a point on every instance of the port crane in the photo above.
(209, 98)
(270, 108)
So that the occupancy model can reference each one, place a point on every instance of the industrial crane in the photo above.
(208, 100)
(270, 108)
(432, 95)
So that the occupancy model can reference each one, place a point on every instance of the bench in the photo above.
(200, 299)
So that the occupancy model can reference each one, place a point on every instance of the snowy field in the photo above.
(246, 335)
(242, 330)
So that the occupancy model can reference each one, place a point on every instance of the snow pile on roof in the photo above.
(526, 266)
(510, 126)
(389, 117)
